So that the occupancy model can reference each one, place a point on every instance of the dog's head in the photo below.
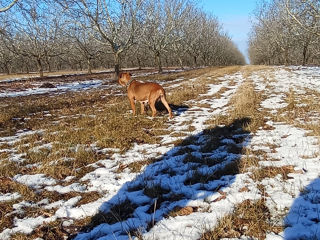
(124, 78)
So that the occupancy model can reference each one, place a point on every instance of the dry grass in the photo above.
(249, 160)
(8, 185)
(250, 218)
(80, 124)
(49, 231)
(117, 213)
(33, 76)
(76, 126)
(302, 110)
(28, 112)
(135, 166)
(6, 220)
(182, 211)
(245, 103)
(191, 90)
(244, 117)
(72, 136)
(199, 177)
(271, 172)
(189, 74)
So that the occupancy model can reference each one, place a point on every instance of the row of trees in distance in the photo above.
(286, 32)
(41, 35)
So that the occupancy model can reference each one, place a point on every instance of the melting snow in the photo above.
(283, 144)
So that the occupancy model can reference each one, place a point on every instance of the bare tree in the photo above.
(113, 23)
(189, 34)
(195, 31)
(10, 5)
(162, 23)
(6, 58)
(70, 34)
(306, 14)
(84, 44)
(285, 32)
(210, 41)
(34, 32)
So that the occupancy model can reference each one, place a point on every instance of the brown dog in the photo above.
(144, 93)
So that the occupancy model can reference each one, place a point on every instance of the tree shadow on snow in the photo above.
(195, 169)
(303, 219)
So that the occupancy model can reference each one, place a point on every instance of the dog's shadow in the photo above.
(176, 109)
(195, 169)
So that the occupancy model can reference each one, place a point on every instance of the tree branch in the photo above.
(9, 6)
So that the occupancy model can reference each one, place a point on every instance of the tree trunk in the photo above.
(158, 62)
(181, 63)
(286, 57)
(48, 64)
(40, 67)
(139, 63)
(116, 65)
(89, 66)
(195, 61)
(8, 69)
(305, 50)
(80, 65)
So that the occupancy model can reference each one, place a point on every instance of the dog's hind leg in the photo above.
(152, 102)
(153, 108)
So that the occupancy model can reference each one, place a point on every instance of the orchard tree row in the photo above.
(286, 32)
(40, 35)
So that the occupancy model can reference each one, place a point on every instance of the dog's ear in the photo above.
(130, 74)
(120, 75)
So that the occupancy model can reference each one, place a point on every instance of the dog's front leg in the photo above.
(142, 107)
(133, 106)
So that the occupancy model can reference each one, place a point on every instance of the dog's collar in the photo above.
(128, 83)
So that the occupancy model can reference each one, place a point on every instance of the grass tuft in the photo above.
(117, 213)
(249, 218)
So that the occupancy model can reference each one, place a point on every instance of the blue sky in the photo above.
(234, 16)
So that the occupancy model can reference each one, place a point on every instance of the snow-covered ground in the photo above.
(293, 202)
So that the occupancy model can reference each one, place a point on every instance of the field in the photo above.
(240, 159)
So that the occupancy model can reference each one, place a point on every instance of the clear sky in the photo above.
(235, 18)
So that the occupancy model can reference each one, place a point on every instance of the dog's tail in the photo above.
(162, 93)
(164, 101)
